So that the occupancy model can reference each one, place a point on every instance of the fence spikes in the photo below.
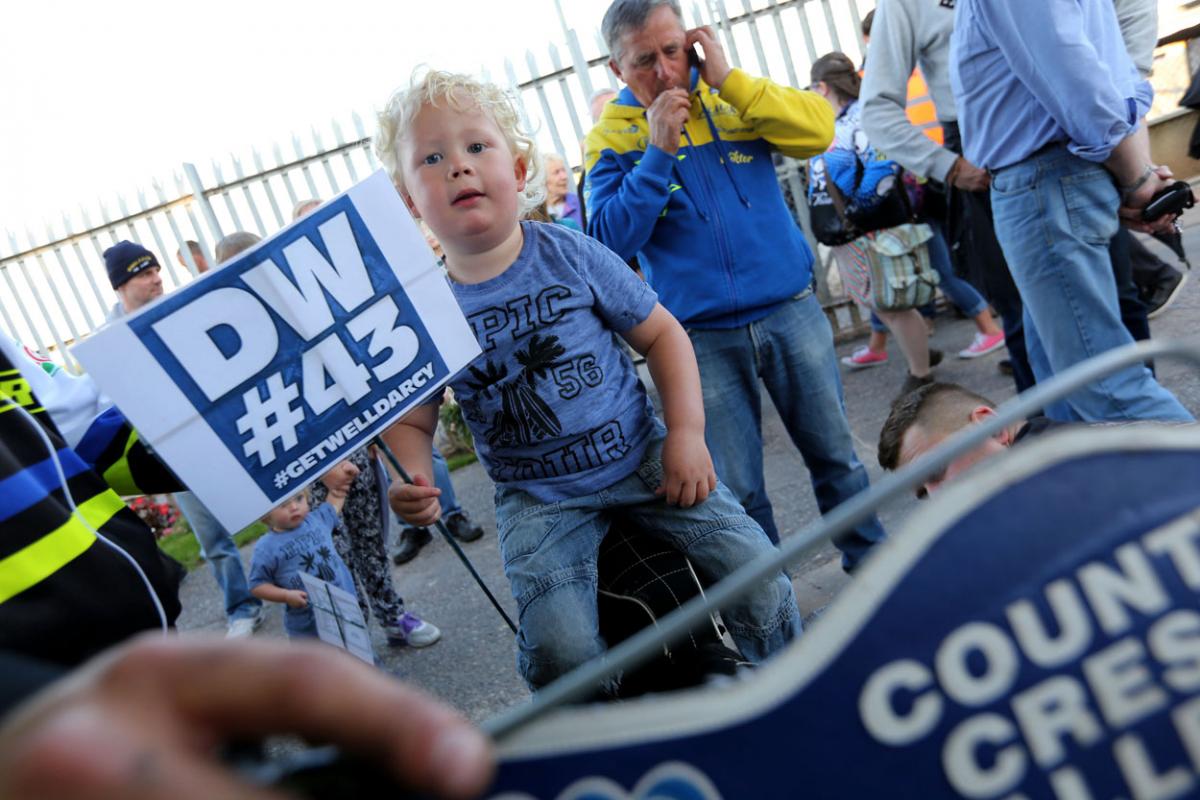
(201, 199)
(313, 192)
(514, 84)
(833, 34)
(788, 64)
(565, 87)
(856, 18)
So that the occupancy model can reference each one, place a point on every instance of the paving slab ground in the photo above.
(473, 667)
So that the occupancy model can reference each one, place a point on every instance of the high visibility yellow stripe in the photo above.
(33, 564)
(119, 476)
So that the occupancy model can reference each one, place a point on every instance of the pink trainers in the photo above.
(865, 357)
(982, 345)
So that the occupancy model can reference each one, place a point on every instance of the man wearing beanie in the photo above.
(133, 272)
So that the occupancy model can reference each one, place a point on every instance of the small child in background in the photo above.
(299, 541)
(560, 420)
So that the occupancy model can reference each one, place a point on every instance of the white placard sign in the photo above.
(257, 378)
(339, 618)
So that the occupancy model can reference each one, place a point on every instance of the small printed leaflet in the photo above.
(340, 621)
(255, 379)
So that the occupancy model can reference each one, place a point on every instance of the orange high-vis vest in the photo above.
(920, 109)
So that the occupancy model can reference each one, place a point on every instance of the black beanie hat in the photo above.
(125, 259)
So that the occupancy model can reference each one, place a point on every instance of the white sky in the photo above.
(98, 98)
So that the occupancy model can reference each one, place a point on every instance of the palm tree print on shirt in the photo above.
(524, 416)
(323, 570)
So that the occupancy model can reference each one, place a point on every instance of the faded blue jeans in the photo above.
(218, 548)
(791, 352)
(1055, 215)
(550, 553)
(441, 479)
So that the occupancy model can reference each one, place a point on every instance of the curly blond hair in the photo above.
(460, 93)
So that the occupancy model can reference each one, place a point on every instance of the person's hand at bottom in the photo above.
(146, 721)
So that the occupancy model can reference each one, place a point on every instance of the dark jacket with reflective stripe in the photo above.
(65, 595)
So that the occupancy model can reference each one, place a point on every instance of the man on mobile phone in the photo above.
(679, 174)
(1053, 111)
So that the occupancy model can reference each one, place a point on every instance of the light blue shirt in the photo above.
(1027, 73)
(280, 556)
(554, 403)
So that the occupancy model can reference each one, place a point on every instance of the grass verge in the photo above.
(461, 460)
(182, 546)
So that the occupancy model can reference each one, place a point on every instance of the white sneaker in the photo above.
(244, 627)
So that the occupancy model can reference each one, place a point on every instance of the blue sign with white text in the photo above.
(295, 351)
(1034, 637)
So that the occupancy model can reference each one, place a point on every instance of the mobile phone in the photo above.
(1171, 200)
(694, 59)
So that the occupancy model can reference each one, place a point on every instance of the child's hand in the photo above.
(338, 479)
(688, 469)
(416, 503)
(297, 599)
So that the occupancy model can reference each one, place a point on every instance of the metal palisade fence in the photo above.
(53, 286)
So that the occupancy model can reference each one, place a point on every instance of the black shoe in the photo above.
(409, 543)
(1005, 367)
(461, 528)
(912, 383)
(935, 357)
(1164, 294)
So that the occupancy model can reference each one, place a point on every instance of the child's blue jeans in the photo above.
(550, 552)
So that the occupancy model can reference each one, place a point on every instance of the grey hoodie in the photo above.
(907, 33)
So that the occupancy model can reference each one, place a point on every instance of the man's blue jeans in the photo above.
(1055, 215)
(791, 352)
(441, 479)
(218, 548)
(550, 554)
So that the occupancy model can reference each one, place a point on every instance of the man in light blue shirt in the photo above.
(1050, 103)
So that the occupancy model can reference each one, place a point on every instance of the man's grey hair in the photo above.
(235, 243)
(630, 15)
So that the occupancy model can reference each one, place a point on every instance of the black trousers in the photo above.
(977, 252)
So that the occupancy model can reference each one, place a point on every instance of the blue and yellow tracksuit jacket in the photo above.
(64, 595)
(709, 224)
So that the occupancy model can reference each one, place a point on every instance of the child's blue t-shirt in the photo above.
(280, 556)
(554, 402)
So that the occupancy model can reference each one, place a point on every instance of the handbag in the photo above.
(902, 276)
